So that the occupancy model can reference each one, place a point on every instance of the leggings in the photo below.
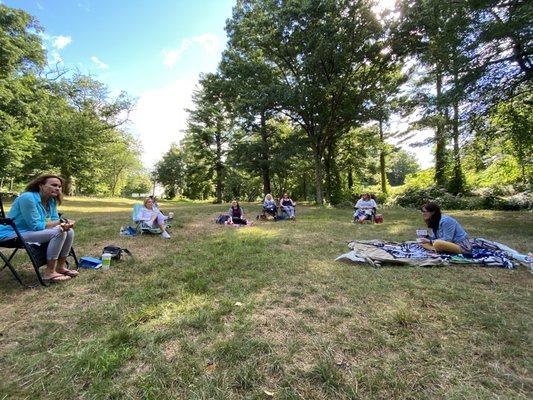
(442, 246)
(238, 221)
(59, 241)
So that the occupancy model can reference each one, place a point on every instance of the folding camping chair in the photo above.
(35, 252)
(141, 226)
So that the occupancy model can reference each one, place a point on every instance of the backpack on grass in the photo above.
(116, 252)
(222, 219)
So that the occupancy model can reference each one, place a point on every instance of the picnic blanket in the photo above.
(484, 252)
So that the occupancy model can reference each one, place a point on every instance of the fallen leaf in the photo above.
(268, 393)
(238, 304)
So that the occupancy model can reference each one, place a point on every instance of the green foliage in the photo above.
(502, 171)
(514, 121)
(401, 164)
(137, 182)
(170, 172)
(20, 42)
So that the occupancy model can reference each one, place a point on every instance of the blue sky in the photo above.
(154, 50)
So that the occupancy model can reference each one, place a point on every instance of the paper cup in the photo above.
(421, 232)
(106, 261)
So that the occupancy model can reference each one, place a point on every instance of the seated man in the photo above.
(365, 208)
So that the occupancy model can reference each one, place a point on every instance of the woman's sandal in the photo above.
(57, 278)
(70, 273)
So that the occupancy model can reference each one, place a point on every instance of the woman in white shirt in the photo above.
(364, 208)
(152, 217)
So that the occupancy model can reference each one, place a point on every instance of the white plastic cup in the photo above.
(106, 261)
(421, 232)
(171, 214)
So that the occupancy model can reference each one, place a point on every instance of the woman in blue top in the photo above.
(447, 235)
(35, 215)
(269, 205)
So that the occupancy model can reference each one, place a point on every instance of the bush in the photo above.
(415, 197)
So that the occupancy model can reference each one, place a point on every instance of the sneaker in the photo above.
(165, 235)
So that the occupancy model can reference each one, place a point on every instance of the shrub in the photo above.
(415, 197)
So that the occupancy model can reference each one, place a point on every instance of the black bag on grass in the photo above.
(222, 219)
(116, 252)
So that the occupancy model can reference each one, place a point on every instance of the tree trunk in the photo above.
(382, 158)
(350, 180)
(458, 184)
(328, 181)
(265, 156)
(218, 169)
(440, 139)
(67, 186)
(318, 175)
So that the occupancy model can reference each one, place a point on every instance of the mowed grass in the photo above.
(265, 312)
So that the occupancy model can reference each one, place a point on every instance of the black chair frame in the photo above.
(36, 253)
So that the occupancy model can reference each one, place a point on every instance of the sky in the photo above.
(154, 50)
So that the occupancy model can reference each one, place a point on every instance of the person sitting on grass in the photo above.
(447, 235)
(287, 205)
(153, 217)
(36, 217)
(269, 205)
(237, 214)
(364, 208)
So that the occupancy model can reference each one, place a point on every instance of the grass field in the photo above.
(265, 312)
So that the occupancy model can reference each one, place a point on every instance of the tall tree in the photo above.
(21, 57)
(326, 57)
(248, 86)
(170, 171)
(81, 119)
(209, 129)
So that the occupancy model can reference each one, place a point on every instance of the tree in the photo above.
(21, 56)
(248, 87)
(170, 171)
(326, 57)
(125, 160)
(209, 129)
(81, 120)
(21, 45)
(513, 121)
(401, 164)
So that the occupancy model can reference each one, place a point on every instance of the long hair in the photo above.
(35, 185)
(268, 196)
(434, 220)
(237, 206)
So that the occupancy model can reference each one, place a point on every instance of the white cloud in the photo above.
(99, 64)
(209, 42)
(160, 118)
(60, 42)
(40, 6)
